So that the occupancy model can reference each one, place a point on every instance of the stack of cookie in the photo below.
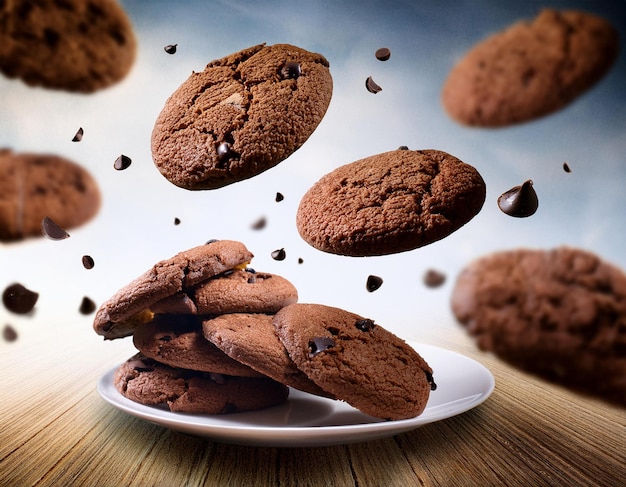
(215, 336)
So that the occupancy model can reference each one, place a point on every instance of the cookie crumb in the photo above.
(520, 201)
(373, 283)
(371, 86)
(53, 230)
(19, 299)
(79, 135)
(9, 333)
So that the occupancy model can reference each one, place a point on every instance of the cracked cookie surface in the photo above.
(391, 202)
(242, 115)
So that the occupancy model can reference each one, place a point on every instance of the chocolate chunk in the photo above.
(291, 70)
(365, 324)
(122, 162)
(170, 48)
(224, 151)
(431, 380)
(383, 54)
(79, 135)
(259, 224)
(279, 254)
(52, 230)
(566, 167)
(373, 283)
(279, 197)
(300, 260)
(520, 201)
(434, 278)
(88, 262)
(176, 221)
(403, 147)
(9, 333)
(19, 299)
(320, 344)
(371, 86)
(87, 306)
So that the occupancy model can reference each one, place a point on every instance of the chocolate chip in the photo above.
(9, 333)
(566, 167)
(320, 344)
(383, 54)
(79, 135)
(520, 201)
(431, 380)
(87, 306)
(19, 299)
(371, 86)
(365, 324)
(52, 230)
(170, 48)
(213, 240)
(224, 151)
(279, 254)
(403, 147)
(290, 70)
(165, 338)
(250, 270)
(300, 260)
(122, 162)
(434, 278)
(279, 197)
(176, 221)
(373, 283)
(259, 224)
(88, 262)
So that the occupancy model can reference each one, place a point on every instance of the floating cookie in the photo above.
(73, 45)
(356, 360)
(558, 313)
(146, 381)
(242, 115)
(530, 69)
(391, 202)
(36, 186)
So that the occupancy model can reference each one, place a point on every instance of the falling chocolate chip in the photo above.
(373, 283)
(9, 333)
(19, 299)
(279, 254)
(259, 224)
(434, 278)
(371, 86)
(279, 197)
(52, 230)
(431, 380)
(566, 167)
(176, 221)
(365, 324)
(320, 344)
(170, 48)
(520, 201)
(122, 162)
(383, 54)
(291, 70)
(88, 262)
(79, 135)
(300, 260)
(87, 306)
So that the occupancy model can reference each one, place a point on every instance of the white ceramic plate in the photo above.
(308, 420)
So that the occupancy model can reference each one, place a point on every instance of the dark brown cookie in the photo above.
(242, 115)
(356, 360)
(33, 186)
(530, 69)
(73, 45)
(130, 306)
(558, 313)
(391, 202)
(251, 339)
(177, 341)
(146, 381)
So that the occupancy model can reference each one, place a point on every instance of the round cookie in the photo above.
(391, 202)
(558, 313)
(177, 341)
(530, 69)
(73, 45)
(33, 186)
(242, 115)
(130, 306)
(146, 381)
(356, 360)
(251, 339)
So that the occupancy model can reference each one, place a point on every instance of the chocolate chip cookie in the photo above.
(35, 186)
(242, 115)
(531, 69)
(356, 359)
(558, 313)
(73, 45)
(390, 202)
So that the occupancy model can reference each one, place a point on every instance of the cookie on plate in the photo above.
(73, 45)
(531, 69)
(149, 382)
(390, 202)
(356, 360)
(251, 339)
(558, 313)
(242, 115)
(33, 186)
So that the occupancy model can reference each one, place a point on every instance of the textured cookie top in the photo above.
(242, 115)
(391, 202)
(530, 69)
(356, 360)
(33, 186)
(73, 45)
(130, 306)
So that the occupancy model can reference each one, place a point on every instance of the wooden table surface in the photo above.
(57, 430)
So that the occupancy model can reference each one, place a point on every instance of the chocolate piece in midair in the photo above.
(279, 254)
(87, 306)
(259, 224)
(520, 201)
(18, 299)
(371, 86)
(291, 70)
(566, 167)
(9, 333)
(88, 262)
(373, 283)
(52, 230)
(279, 197)
(434, 278)
(122, 162)
(383, 54)
(170, 48)
(320, 344)
(176, 221)
(79, 135)
(300, 260)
